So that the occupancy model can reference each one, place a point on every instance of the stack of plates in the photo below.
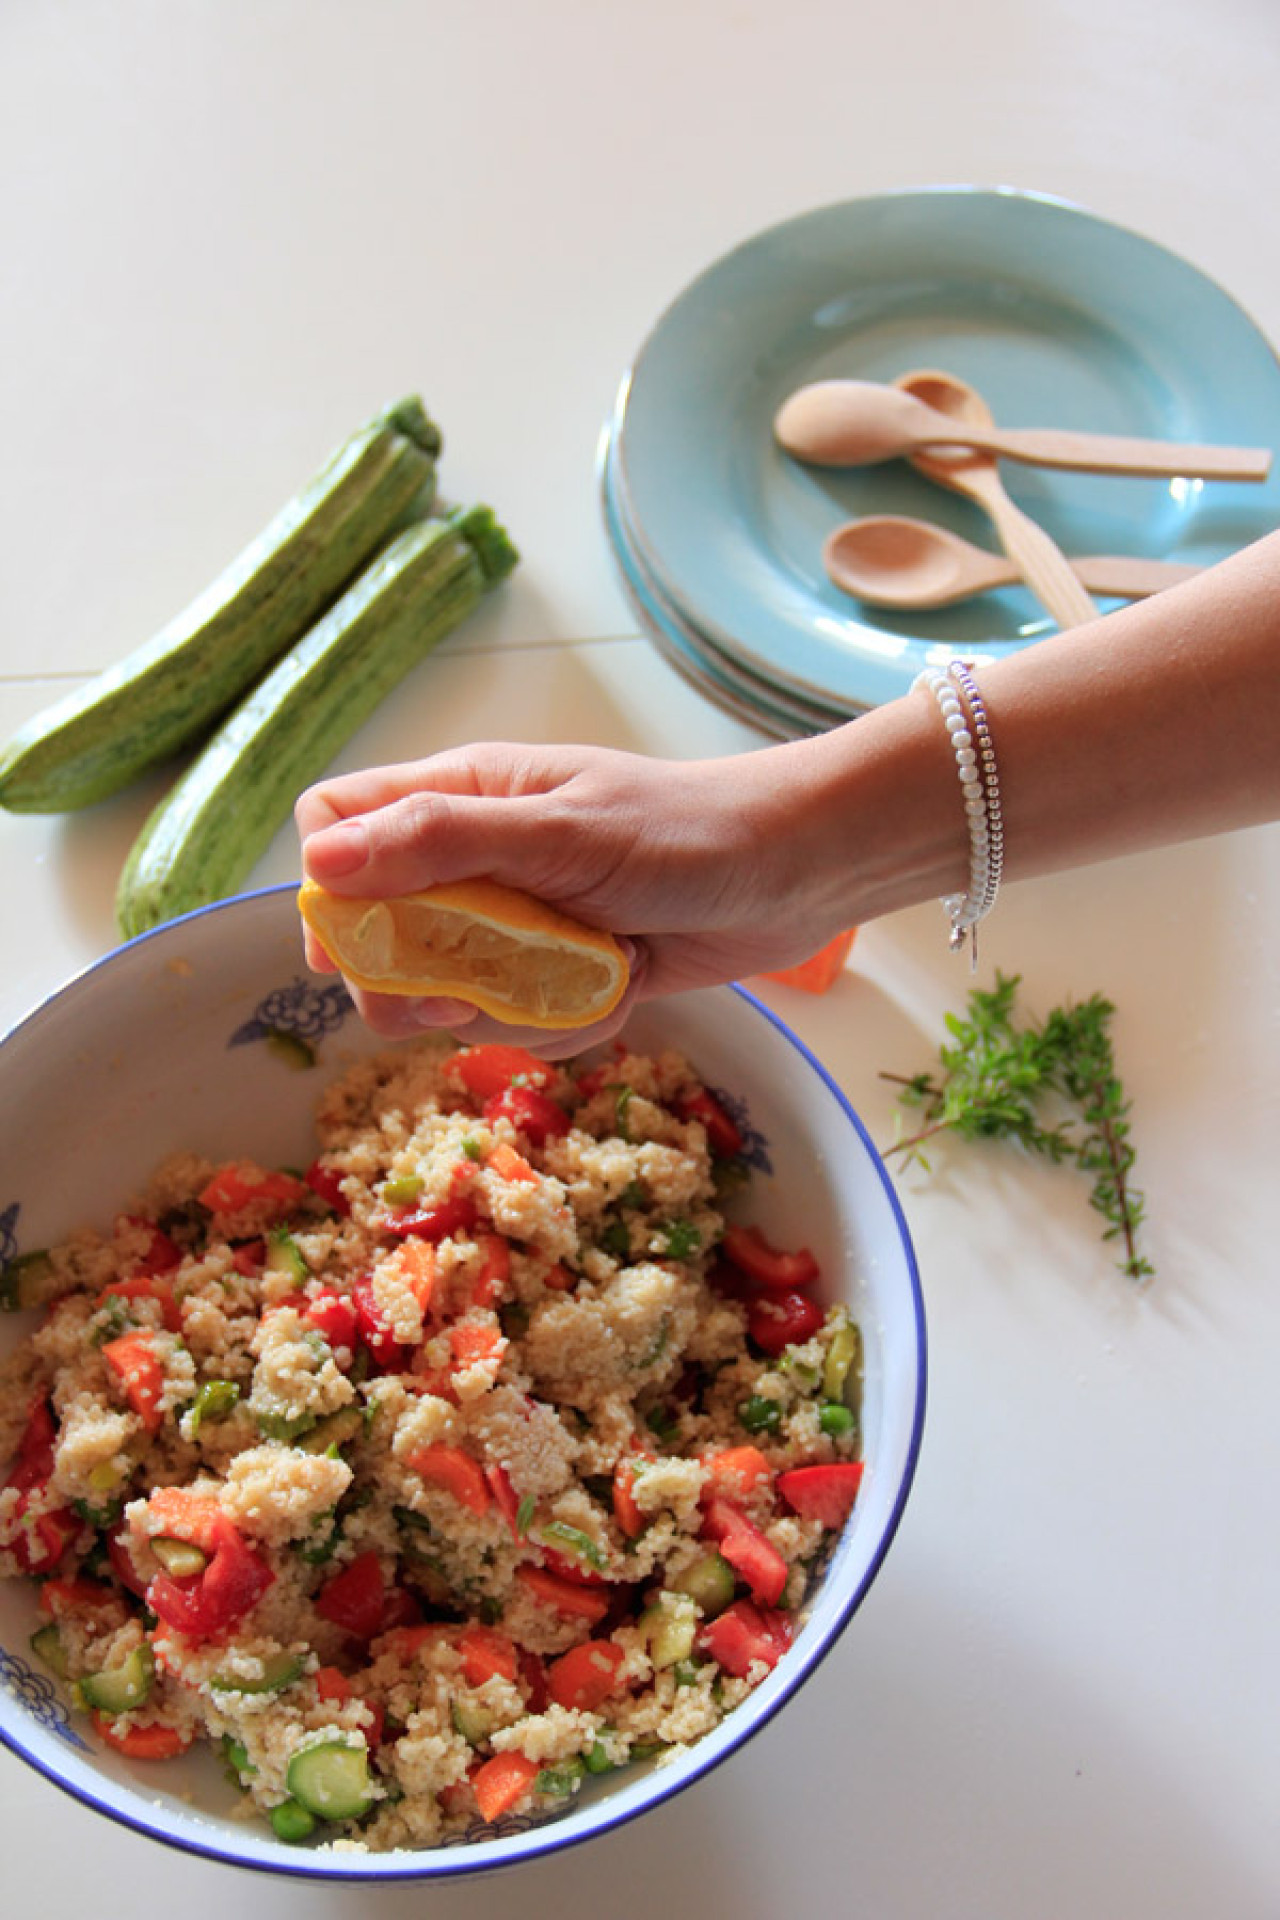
(1057, 317)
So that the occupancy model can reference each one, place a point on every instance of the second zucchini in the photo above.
(205, 836)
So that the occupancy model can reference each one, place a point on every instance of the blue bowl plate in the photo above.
(1058, 317)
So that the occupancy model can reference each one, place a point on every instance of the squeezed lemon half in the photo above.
(500, 950)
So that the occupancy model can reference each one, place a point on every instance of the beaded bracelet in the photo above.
(980, 790)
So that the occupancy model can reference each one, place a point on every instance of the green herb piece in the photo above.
(471, 1148)
(616, 1240)
(622, 1098)
(214, 1402)
(759, 1414)
(663, 1424)
(524, 1514)
(996, 1078)
(680, 1239)
(634, 1195)
(401, 1190)
(579, 1545)
(104, 1516)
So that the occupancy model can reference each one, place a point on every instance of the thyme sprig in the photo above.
(1051, 1087)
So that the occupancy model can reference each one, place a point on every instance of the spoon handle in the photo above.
(1040, 561)
(1113, 453)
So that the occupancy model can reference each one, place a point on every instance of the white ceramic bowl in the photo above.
(162, 1046)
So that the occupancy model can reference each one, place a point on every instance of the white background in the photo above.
(228, 232)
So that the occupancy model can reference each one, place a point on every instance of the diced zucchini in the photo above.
(560, 1781)
(179, 1557)
(708, 1582)
(279, 1670)
(596, 1759)
(335, 1430)
(214, 1401)
(121, 1689)
(331, 1780)
(46, 1644)
(236, 1759)
(843, 1358)
(22, 1282)
(284, 1255)
(474, 1722)
(669, 1626)
(287, 1427)
(572, 1541)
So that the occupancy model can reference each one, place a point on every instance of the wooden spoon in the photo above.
(891, 560)
(854, 423)
(1038, 559)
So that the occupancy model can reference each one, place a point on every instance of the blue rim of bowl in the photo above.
(552, 1837)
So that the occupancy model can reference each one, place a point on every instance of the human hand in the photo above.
(693, 866)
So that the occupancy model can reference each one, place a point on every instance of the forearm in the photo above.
(1157, 724)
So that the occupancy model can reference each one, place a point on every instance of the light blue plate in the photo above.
(1058, 317)
(719, 677)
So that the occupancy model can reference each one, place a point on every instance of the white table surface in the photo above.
(228, 232)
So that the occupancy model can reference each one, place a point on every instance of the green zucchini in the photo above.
(174, 688)
(203, 839)
(331, 1780)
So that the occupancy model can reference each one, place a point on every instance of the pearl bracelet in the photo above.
(971, 742)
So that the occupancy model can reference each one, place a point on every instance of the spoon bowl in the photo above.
(891, 560)
(976, 475)
(853, 423)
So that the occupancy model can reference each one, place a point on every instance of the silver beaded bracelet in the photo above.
(964, 715)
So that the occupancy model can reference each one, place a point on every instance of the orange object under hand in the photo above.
(822, 969)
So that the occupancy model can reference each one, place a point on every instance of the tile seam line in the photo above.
(509, 646)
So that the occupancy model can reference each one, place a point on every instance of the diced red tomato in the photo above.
(182, 1514)
(486, 1652)
(327, 1183)
(625, 1510)
(778, 1320)
(240, 1184)
(566, 1596)
(508, 1164)
(745, 1633)
(374, 1331)
(454, 1469)
(161, 1254)
(533, 1678)
(724, 1136)
(586, 1675)
(122, 1563)
(37, 1447)
(502, 1783)
(38, 1541)
(531, 1112)
(505, 1495)
(753, 1255)
(566, 1566)
(332, 1684)
(85, 1598)
(825, 1492)
(355, 1599)
(822, 969)
(402, 1609)
(249, 1257)
(487, 1070)
(142, 1743)
(490, 1283)
(138, 1367)
(474, 1345)
(456, 1214)
(735, 1472)
(209, 1602)
(560, 1279)
(146, 1286)
(334, 1316)
(749, 1552)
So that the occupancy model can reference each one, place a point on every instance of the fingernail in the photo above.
(341, 848)
(442, 1013)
